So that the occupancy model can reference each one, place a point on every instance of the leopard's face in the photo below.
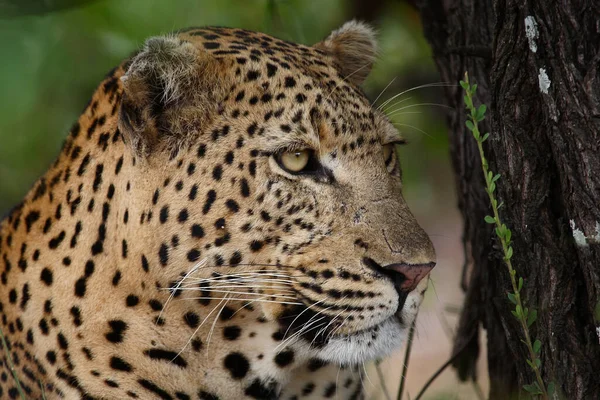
(301, 205)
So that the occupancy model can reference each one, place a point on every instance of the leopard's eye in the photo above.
(295, 161)
(388, 153)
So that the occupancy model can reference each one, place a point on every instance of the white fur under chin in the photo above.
(361, 347)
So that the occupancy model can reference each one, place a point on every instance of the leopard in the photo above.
(225, 220)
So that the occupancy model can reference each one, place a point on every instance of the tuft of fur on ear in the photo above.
(169, 91)
(354, 48)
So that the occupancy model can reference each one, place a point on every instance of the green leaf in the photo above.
(514, 313)
(551, 389)
(520, 283)
(484, 138)
(537, 345)
(519, 310)
(533, 388)
(492, 187)
(532, 317)
(495, 178)
(473, 88)
(508, 235)
(530, 363)
(464, 85)
(480, 115)
(489, 219)
(469, 125)
(538, 362)
(512, 298)
(500, 205)
(509, 253)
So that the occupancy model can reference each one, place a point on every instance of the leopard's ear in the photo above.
(354, 49)
(170, 90)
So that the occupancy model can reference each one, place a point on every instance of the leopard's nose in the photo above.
(404, 276)
(407, 276)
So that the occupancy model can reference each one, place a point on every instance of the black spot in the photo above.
(252, 75)
(197, 231)
(62, 341)
(89, 268)
(308, 389)
(166, 355)
(152, 387)
(191, 319)
(284, 358)
(164, 214)
(193, 255)
(217, 172)
(201, 150)
(256, 245)
(290, 82)
(245, 189)
(226, 313)
(232, 332)
(193, 192)
(300, 98)
(117, 331)
(237, 365)
(80, 287)
(329, 390)
(31, 218)
(51, 357)
(315, 364)
(183, 215)
(258, 390)
(120, 365)
(155, 305)
(145, 265)
(271, 70)
(252, 129)
(55, 242)
(163, 254)
(76, 313)
(235, 259)
(132, 300)
(98, 177)
(211, 196)
(116, 278)
(25, 297)
(211, 45)
(203, 395)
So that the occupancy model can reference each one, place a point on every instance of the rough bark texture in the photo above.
(547, 148)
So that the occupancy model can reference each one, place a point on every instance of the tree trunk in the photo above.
(537, 66)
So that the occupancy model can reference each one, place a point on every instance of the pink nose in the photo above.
(408, 276)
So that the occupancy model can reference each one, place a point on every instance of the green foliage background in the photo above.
(53, 60)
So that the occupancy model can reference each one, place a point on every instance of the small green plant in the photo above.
(525, 316)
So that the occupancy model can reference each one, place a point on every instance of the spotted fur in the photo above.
(166, 254)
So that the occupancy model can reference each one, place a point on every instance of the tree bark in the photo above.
(537, 66)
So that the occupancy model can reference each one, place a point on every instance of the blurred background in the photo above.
(55, 52)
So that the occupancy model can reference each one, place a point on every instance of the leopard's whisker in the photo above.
(384, 89)
(197, 329)
(241, 299)
(210, 332)
(180, 281)
(427, 85)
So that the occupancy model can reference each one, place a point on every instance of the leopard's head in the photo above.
(296, 182)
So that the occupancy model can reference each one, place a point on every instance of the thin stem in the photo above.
(409, 342)
(12, 366)
(382, 380)
(504, 240)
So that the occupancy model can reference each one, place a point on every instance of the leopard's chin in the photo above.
(376, 342)
(369, 344)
